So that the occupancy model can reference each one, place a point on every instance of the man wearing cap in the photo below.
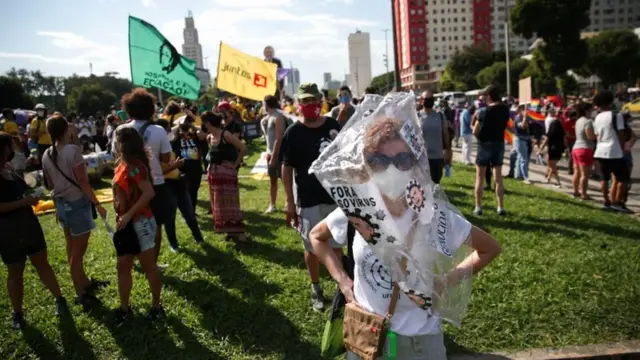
(302, 143)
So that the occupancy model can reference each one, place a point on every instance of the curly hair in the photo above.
(381, 131)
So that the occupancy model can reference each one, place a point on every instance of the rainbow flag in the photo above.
(509, 131)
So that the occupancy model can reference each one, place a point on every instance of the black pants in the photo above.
(193, 170)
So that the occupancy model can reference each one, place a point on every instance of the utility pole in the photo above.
(506, 47)
(396, 57)
(386, 56)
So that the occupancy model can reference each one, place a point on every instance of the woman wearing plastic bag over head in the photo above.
(414, 253)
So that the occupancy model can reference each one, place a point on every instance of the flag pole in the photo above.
(218, 67)
(293, 90)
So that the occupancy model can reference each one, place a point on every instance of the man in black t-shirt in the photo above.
(489, 126)
(302, 143)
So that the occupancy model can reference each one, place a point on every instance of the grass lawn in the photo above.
(569, 274)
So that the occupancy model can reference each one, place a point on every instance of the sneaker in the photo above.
(162, 267)
(501, 212)
(61, 306)
(317, 301)
(621, 208)
(270, 209)
(156, 313)
(17, 321)
(527, 181)
(174, 248)
(122, 316)
(477, 211)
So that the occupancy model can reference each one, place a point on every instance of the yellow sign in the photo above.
(245, 75)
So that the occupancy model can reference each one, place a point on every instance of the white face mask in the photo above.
(40, 113)
(392, 181)
(113, 112)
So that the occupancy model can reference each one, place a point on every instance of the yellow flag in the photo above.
(245, 75)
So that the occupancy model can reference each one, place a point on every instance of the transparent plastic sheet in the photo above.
(377, 171)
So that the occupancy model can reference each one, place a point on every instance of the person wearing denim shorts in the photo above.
(66, 174)
(489, 127)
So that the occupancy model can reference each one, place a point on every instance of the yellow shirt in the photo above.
(10, 127)
(290, 109)
(325, 108)
(173, 174)
(40, 128)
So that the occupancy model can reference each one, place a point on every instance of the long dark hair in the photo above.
(132, 148)
(57, 128)
(5, 141)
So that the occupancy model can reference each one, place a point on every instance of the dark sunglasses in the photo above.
(403, 161)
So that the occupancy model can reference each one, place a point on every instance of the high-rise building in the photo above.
(293, 81)
(326, 77)
(429, 32)
(499, 14)
(610, 14)
(193, 50)
(359, 62)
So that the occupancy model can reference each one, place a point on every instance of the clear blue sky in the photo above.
(62, 37)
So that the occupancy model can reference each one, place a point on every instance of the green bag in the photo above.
(333, 338)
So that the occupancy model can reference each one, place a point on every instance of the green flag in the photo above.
(156, 63)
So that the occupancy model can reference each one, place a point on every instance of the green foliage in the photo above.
(614, 56)
(383, 82)
(446, 83)
(567, 84)
(542, 80)
(90, 99)
(496, 74)
(559, 24)
(465, 64)
(12, 94)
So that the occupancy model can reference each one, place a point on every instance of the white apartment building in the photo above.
(499, 13)
(293, 82)
(449, 28)
(359, 44)
(614, 14)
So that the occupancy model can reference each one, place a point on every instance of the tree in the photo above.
(12, 94)
(614, 56)
(558, 24)
(446, 83)
(383, 82)
(542, 81)
(90, 98)
(496, 75)
(466, 63)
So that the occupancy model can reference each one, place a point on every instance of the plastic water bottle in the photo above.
(447, 170)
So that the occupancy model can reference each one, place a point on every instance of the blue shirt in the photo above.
(465, 124)
(521, 134)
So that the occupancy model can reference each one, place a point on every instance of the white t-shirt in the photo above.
(608, 145)
(157, 140)
(372, 285)
(547, 122)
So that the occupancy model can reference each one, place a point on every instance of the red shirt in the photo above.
(126, 179)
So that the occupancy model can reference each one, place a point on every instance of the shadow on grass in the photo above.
(244, 186)
(75, 345)
(139, 338)
(231, 272)
(258, 327)
(39, 344)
